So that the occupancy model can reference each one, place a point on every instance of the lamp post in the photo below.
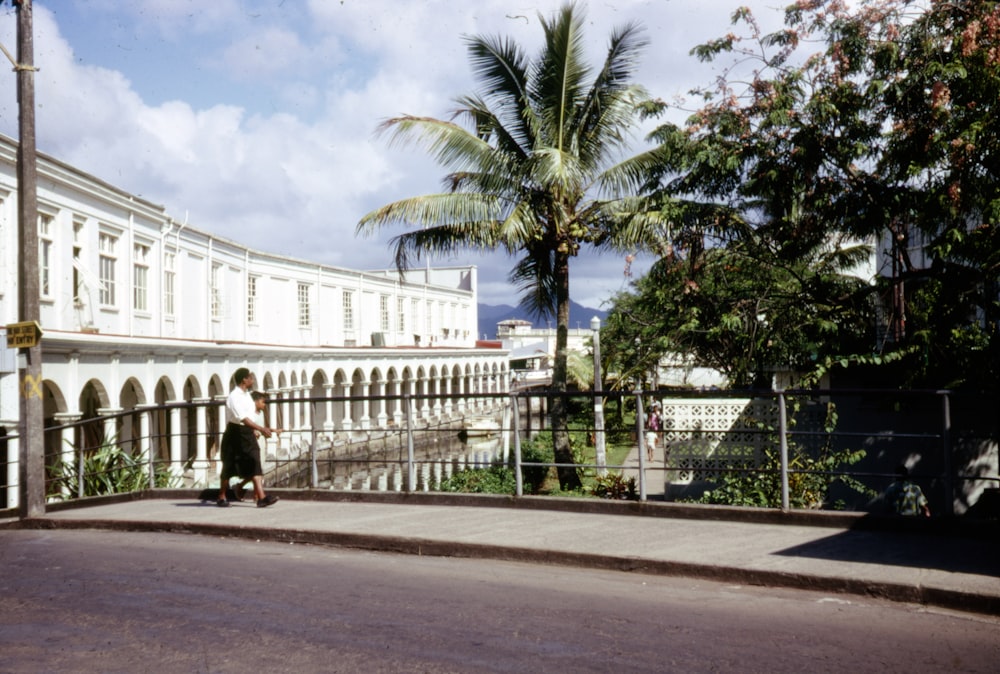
(599, 446)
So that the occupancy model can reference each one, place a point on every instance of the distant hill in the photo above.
(491, 314)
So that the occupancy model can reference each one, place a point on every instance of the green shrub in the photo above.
(106, 470)
(538, 450)
(497, 479)
(809, 481)
(614, 486)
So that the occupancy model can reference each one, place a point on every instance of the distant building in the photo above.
(532, 350)
(138, 310)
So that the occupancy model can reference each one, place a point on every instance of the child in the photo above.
(653, 426)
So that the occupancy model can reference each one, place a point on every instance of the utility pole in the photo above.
(31, 430)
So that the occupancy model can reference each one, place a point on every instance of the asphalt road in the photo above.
(87, 601)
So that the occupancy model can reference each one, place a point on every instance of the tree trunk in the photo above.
(569, 478)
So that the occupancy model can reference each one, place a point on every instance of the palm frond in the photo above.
(411, 246)
(612, 101)
(502, 68)
(534, 278)
(558, 82)
(432, 210)
(450, 144)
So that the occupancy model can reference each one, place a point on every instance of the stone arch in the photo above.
(434, 389)
(267, 382)
(376, 389)
(216, 414)
(93, 397)
(282, 419)
(357, 394)
(455, 386)
(340, 390)
(128, 424)
(420, 390)
(54, 404)
(189, 421)
(393, 406)
(161, 425)
(320, 408)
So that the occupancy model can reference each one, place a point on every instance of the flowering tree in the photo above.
(871, 124)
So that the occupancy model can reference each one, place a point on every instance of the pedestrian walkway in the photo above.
(829, 552)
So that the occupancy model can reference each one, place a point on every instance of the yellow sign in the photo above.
(23, 335)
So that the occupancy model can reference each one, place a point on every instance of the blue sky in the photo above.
(255, 119)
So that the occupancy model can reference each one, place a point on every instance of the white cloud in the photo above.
(257, 118)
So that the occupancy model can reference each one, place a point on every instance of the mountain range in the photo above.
(491, 314)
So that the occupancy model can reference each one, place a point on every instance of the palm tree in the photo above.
(538, 172)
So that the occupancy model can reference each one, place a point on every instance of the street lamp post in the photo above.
(599, 446)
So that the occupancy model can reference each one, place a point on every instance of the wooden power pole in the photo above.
(31, 431)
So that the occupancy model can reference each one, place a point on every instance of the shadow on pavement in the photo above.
(956, 554)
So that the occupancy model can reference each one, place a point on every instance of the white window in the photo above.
(304, 316)
(140, 277)
(252, 299)
(169, 281)
(400, 314)
(107, 245)
(415, 313)
(78, 283)
(429, 318)
(383, 312)
(45, 255)
(216, 290)
(348, 310)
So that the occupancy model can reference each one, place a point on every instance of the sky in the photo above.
(255, 120)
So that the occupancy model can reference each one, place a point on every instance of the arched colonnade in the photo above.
(170, 406)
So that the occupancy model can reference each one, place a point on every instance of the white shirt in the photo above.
(239, 406)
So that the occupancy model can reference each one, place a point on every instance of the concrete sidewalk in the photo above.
(914, 561)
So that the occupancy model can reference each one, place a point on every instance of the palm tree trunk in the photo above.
(569, 478)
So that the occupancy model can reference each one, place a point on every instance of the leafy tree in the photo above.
(873, 123)
(537, 172)
(744, 310)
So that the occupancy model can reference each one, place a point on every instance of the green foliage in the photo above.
(537, 450)
(535, 169)
(810, 475)
(497, 479)
(870, 122)
(615, 487)
(106, 470)
(809, 480)
(744, 309)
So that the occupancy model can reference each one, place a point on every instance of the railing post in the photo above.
(411, 475)
(80, 463)
(314, 469)
(783, 444)
(640, 432)
(949, 487)
(145, 424)
(516, 421)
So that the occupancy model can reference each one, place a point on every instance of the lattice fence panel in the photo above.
(704, 437)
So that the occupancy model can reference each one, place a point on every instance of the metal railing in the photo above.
(421, 442)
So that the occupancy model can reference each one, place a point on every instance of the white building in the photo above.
(138, 310)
